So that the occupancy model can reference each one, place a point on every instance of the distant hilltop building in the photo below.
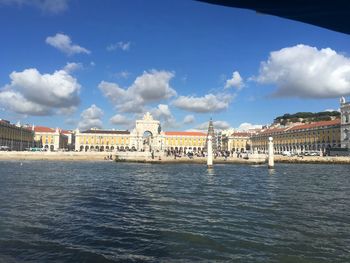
(305, 117)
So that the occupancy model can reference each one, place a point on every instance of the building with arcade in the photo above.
(146, 136)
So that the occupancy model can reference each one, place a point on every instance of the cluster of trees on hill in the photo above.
(307, 117)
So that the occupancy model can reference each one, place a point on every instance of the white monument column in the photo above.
(210, 152)
(271, 163)
(321, 152)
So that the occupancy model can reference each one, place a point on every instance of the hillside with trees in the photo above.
(306, 117)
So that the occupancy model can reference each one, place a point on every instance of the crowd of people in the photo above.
(191, 154)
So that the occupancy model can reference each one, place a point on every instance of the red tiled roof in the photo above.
(66, 132)
(184, 133)
(273, 130)
(316, 124)
(302, 127)
(106, 132)
(43, 129)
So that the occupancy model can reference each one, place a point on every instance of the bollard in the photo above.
(271, 163)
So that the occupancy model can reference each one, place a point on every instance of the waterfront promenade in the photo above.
(101, 156)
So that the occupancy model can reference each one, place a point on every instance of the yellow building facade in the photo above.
(316, 136)
(182, 142)
(50, 139)
(109, 140)
(238, 142)
(15, 137)
(103, 140)
(146, 136)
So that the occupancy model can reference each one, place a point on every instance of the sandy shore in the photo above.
(100, 156)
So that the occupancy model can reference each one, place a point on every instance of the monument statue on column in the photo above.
(211, 133)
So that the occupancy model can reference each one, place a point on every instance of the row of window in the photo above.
(176, 142)
(10, 133)
(103, 140)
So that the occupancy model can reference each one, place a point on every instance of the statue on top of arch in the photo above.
(147, 117)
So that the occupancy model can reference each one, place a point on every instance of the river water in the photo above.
(122, 212)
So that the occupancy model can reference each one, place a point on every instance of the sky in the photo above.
(83, 64)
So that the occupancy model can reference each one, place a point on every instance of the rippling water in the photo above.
(107, 212)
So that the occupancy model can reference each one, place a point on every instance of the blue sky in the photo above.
(105, 63)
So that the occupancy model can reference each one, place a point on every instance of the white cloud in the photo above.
(55, 90)
(47, 6)
(150, 87)
(93, 112)
(33, 93)
(119, 119)
(189, 119)
(207, 103)
(122, 98)
(221, 125)
(125, 46)
(72, 66)
(122, 74)
(163, 113)
(218, 125)
(63, 43)
(67, 111)
(235, 81)
(247, 126)
(14, 101)
(306, 72)
(154, 86)
(91, 118)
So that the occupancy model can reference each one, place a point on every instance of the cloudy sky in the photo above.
(105, 63)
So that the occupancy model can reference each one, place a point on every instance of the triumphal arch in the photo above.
(147, 135)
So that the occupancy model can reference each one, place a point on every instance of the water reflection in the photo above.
(272, 171)
(211, 171)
